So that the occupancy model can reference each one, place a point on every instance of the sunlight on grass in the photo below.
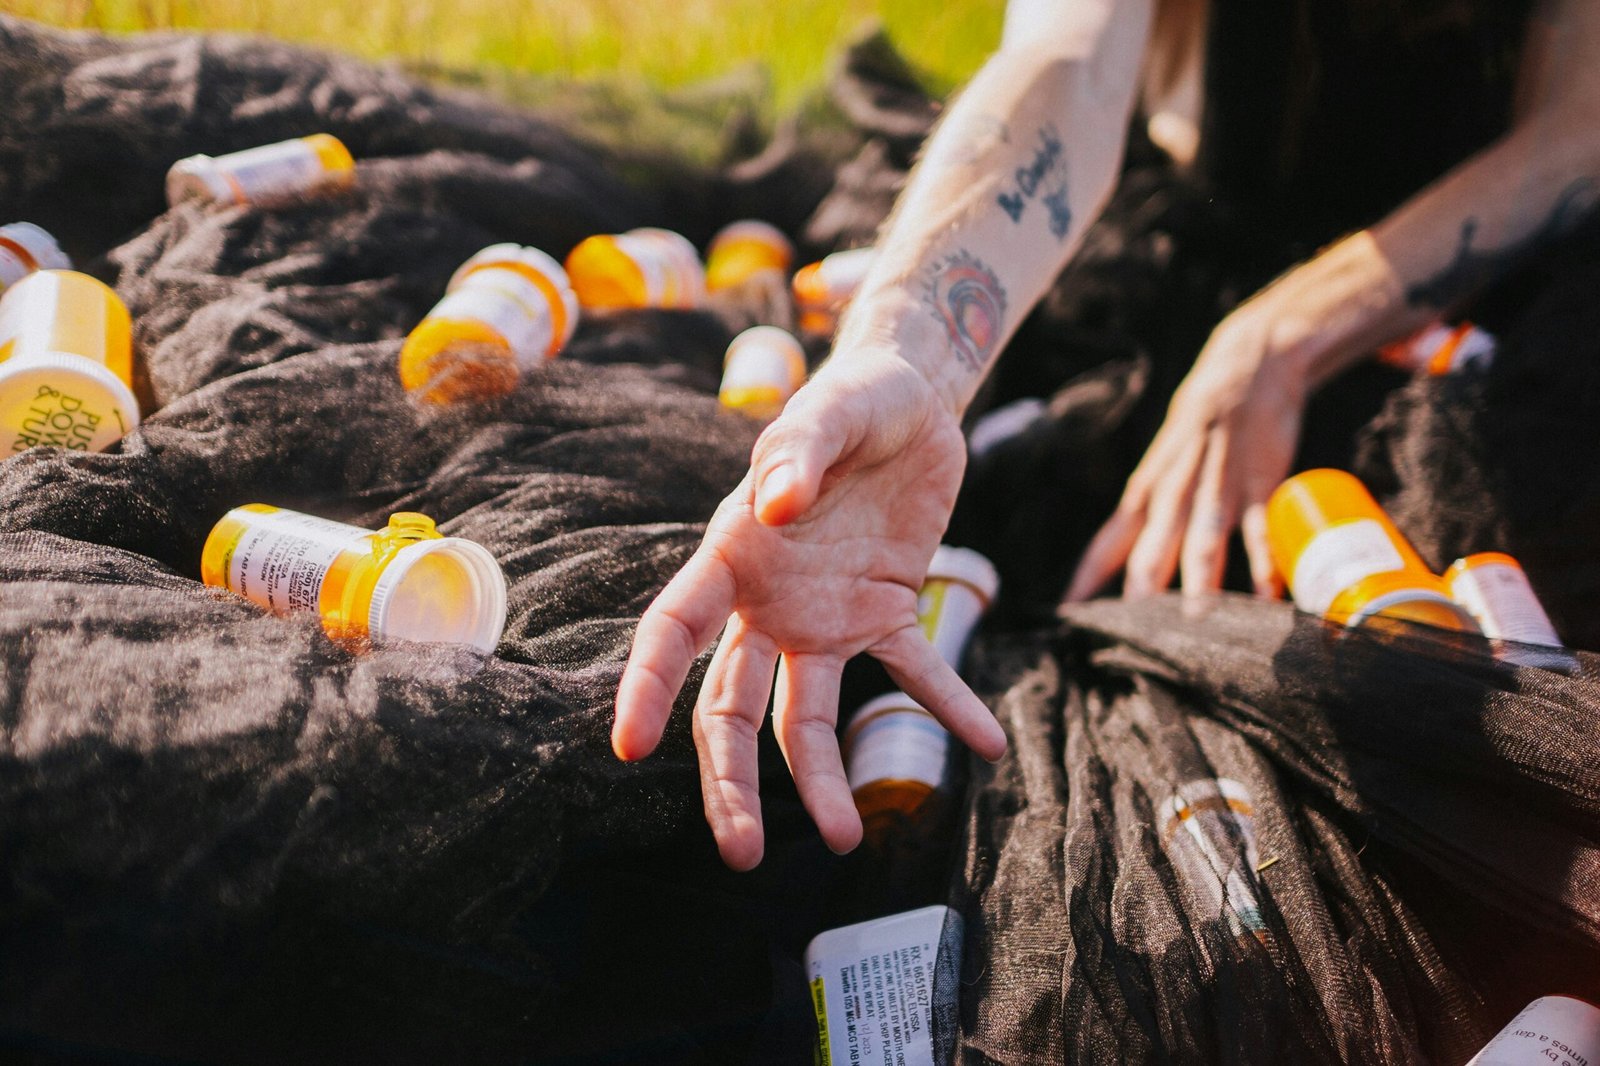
(666, 43)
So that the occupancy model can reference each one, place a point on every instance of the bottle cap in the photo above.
(755, 231)
(37, 244)
(195, 178)
(448, 590)
(966, 566)
(69, 401)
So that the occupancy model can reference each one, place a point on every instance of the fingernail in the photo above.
(777, 482)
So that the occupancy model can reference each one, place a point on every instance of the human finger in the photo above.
(922, 674)
(727, 718)
(1154, 555)
(805, 711)
(1211, 518)
(1106, 553)
(1264, 576)
(792, 456)
(675, 629)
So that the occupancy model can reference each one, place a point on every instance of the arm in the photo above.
(1233, 425)
(818, 555)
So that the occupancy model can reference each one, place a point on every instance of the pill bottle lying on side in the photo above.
(270, 174)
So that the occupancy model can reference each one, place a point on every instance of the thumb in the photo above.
(792, 457)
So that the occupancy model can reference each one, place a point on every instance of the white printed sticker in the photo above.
(904, 744)
(1504, 605)
(1339, 557)
(1550, 1031)
(526, 333)
(282, 558)
(273, 171)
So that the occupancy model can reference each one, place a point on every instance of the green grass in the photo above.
(658, 43)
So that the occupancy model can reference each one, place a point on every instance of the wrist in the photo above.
(892, 328)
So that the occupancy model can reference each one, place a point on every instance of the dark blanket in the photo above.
(223, 838)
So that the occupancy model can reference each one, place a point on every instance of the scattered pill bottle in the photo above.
(641, 268)
(822, 289)
(25, 248)
(263, 176)
(960, 586)
(887, 991)
(1557, 1030)
(506, 310)
(1345, 560)
(66, 364)
(1005, 423)
(1493, 588)
(1439, 349)
(1210, 835)
(404, 581)
(741, 250)
(763, 368)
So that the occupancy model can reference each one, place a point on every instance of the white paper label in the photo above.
(1339, 557)
(273, 171)
(283, 557)
(843, 272)
(876, 986)
(898, 745)
(1502, 602)
(948, 612)
(1550, 1031)
(760, 366)
(1211, 839)
(526, 332)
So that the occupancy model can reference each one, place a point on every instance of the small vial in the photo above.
(1345, 560)
(66, 364)
(405, 580)
(1439, 349)
(741, 250)
(1210, 835)
(1493, 588)
(25, 248)
(1550, 1031)
(822, 289)
(266, 175)
(896, 754)
(908, 965)
(506, 310)
(763, 368)
(641, 268)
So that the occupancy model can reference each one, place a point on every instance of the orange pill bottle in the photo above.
(405, 581)
(66, 364)
(25, 248)
(740, 250)
(1345, 560)
(266, 175)
(641, 268)
(823, 289)
(763, 368)
(506, 310)
(1495, 590)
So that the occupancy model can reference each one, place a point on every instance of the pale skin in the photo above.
(817, 556)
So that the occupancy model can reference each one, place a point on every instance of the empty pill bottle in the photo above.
(1210, 836)
(641, 268)
(66, 364)
(25, 248)
(763, 368)
(1495, 590)
(1550, 1030)
(506, 310)
(896, 756)
(405, 581)
(266, 175)
(960, 586)
(822, 289)
(1440, 349)
(1344, 559)
(740, 250)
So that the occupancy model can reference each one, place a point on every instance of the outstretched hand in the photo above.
(817, 556)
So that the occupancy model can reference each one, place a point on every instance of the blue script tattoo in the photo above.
(1046, 160)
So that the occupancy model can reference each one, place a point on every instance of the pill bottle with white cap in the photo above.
(25, 248)
(404, 581)
(763, 368)
(822, 289)
(1495, 590)
(743, 249)
(507, 309)
(1550, 1031)
(1345, 560)
(66, 364)
(886, 991)
(263, 176)
(1209, 832)
(1440, 349)
(896, 754)
(641, 268)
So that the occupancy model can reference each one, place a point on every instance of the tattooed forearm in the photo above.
(1044, 172)
(1473, 269)
(970, 303)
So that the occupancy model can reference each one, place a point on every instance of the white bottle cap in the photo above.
(448, 590)
(751, 229)
(966, 566)
(38, 244)
(198, 178)
(65, 400)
